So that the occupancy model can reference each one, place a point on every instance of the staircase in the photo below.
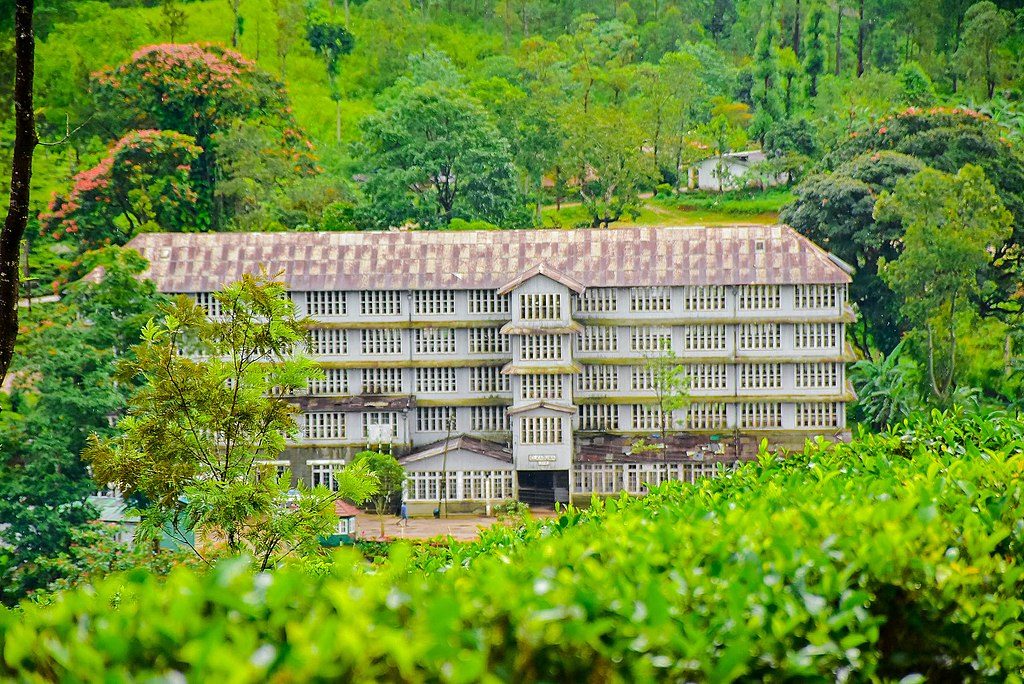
(538, 497)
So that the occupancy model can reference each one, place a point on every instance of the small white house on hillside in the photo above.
(727, 172)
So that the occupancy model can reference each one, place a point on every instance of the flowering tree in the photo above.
(196, 90)
(143, 183)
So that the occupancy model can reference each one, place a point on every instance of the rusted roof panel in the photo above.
(407, 260)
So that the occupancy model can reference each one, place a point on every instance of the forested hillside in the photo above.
(524, 97)
(891, 132)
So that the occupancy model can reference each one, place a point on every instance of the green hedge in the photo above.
(897, 556)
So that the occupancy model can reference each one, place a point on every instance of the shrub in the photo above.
(894, 556)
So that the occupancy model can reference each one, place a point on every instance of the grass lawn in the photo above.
(686, 210)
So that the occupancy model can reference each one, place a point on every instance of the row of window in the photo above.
(390, 341)
(712, 337)
(592, 378)
(459, 485)
(710, 298)
(636, 478)
(382, 425)
(594, 339)
(710, 416)
(548, 306)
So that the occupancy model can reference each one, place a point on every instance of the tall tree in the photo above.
(767, 108)
(954, 224)
(980, 54)
(814, 51)
(211, 408)
(63, 390)
(196, 90)
(288, 16)
(839, 37)
(143, 184)
(25, 141)
(607, 147)
(434, 154)
(332, 41)
(236, 21)
(390, 476)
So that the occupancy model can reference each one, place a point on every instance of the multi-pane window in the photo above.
(459, 484)
(704, 298)
(642, 378)
(540, 429)
(541, 387)
(817, 335)
(335, 381)
(761, 415)
(435, 341)
(599, 417)
(208, 302)
(817, 376)
(488, 419)
(434, 380)
(328, 341)
(487, 380)
(650, 299)
(541, 347)
(324, 426)
(380, 426)
(381, 341)
(435, 418)
(321, 473)
(818, 415)
(380, 302)
(598, 379)
(647, 338)
(597, 300)
(433, 302)
(646, 417)
(756, 336)
(488, 341)
(546, 306)
(487, 302)
(708, 376)
(758, 297)
(596, 338)
(706, 416)
(326, 303)
(704, 338)
(816, 296)
(760, 375)
(382, 381)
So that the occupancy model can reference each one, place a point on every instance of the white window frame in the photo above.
(650, 299)
(326, 303)
(327, 342)
(380, 302)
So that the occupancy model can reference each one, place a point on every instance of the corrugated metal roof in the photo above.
(405, 260)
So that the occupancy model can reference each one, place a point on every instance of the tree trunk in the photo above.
(796, 29)
(25, 141)
(337, 120)
(839, 36)
(862, 32)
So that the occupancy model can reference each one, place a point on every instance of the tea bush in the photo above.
(896, 556)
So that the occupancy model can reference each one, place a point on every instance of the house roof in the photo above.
(546, 271)
(344, 509)
(534, 405)
(474, 445)
(620, 257)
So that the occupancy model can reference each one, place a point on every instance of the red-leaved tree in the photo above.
(144, 183)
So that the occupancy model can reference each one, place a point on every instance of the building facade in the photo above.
(518, 363)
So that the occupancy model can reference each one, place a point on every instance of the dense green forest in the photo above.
(894, 126)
